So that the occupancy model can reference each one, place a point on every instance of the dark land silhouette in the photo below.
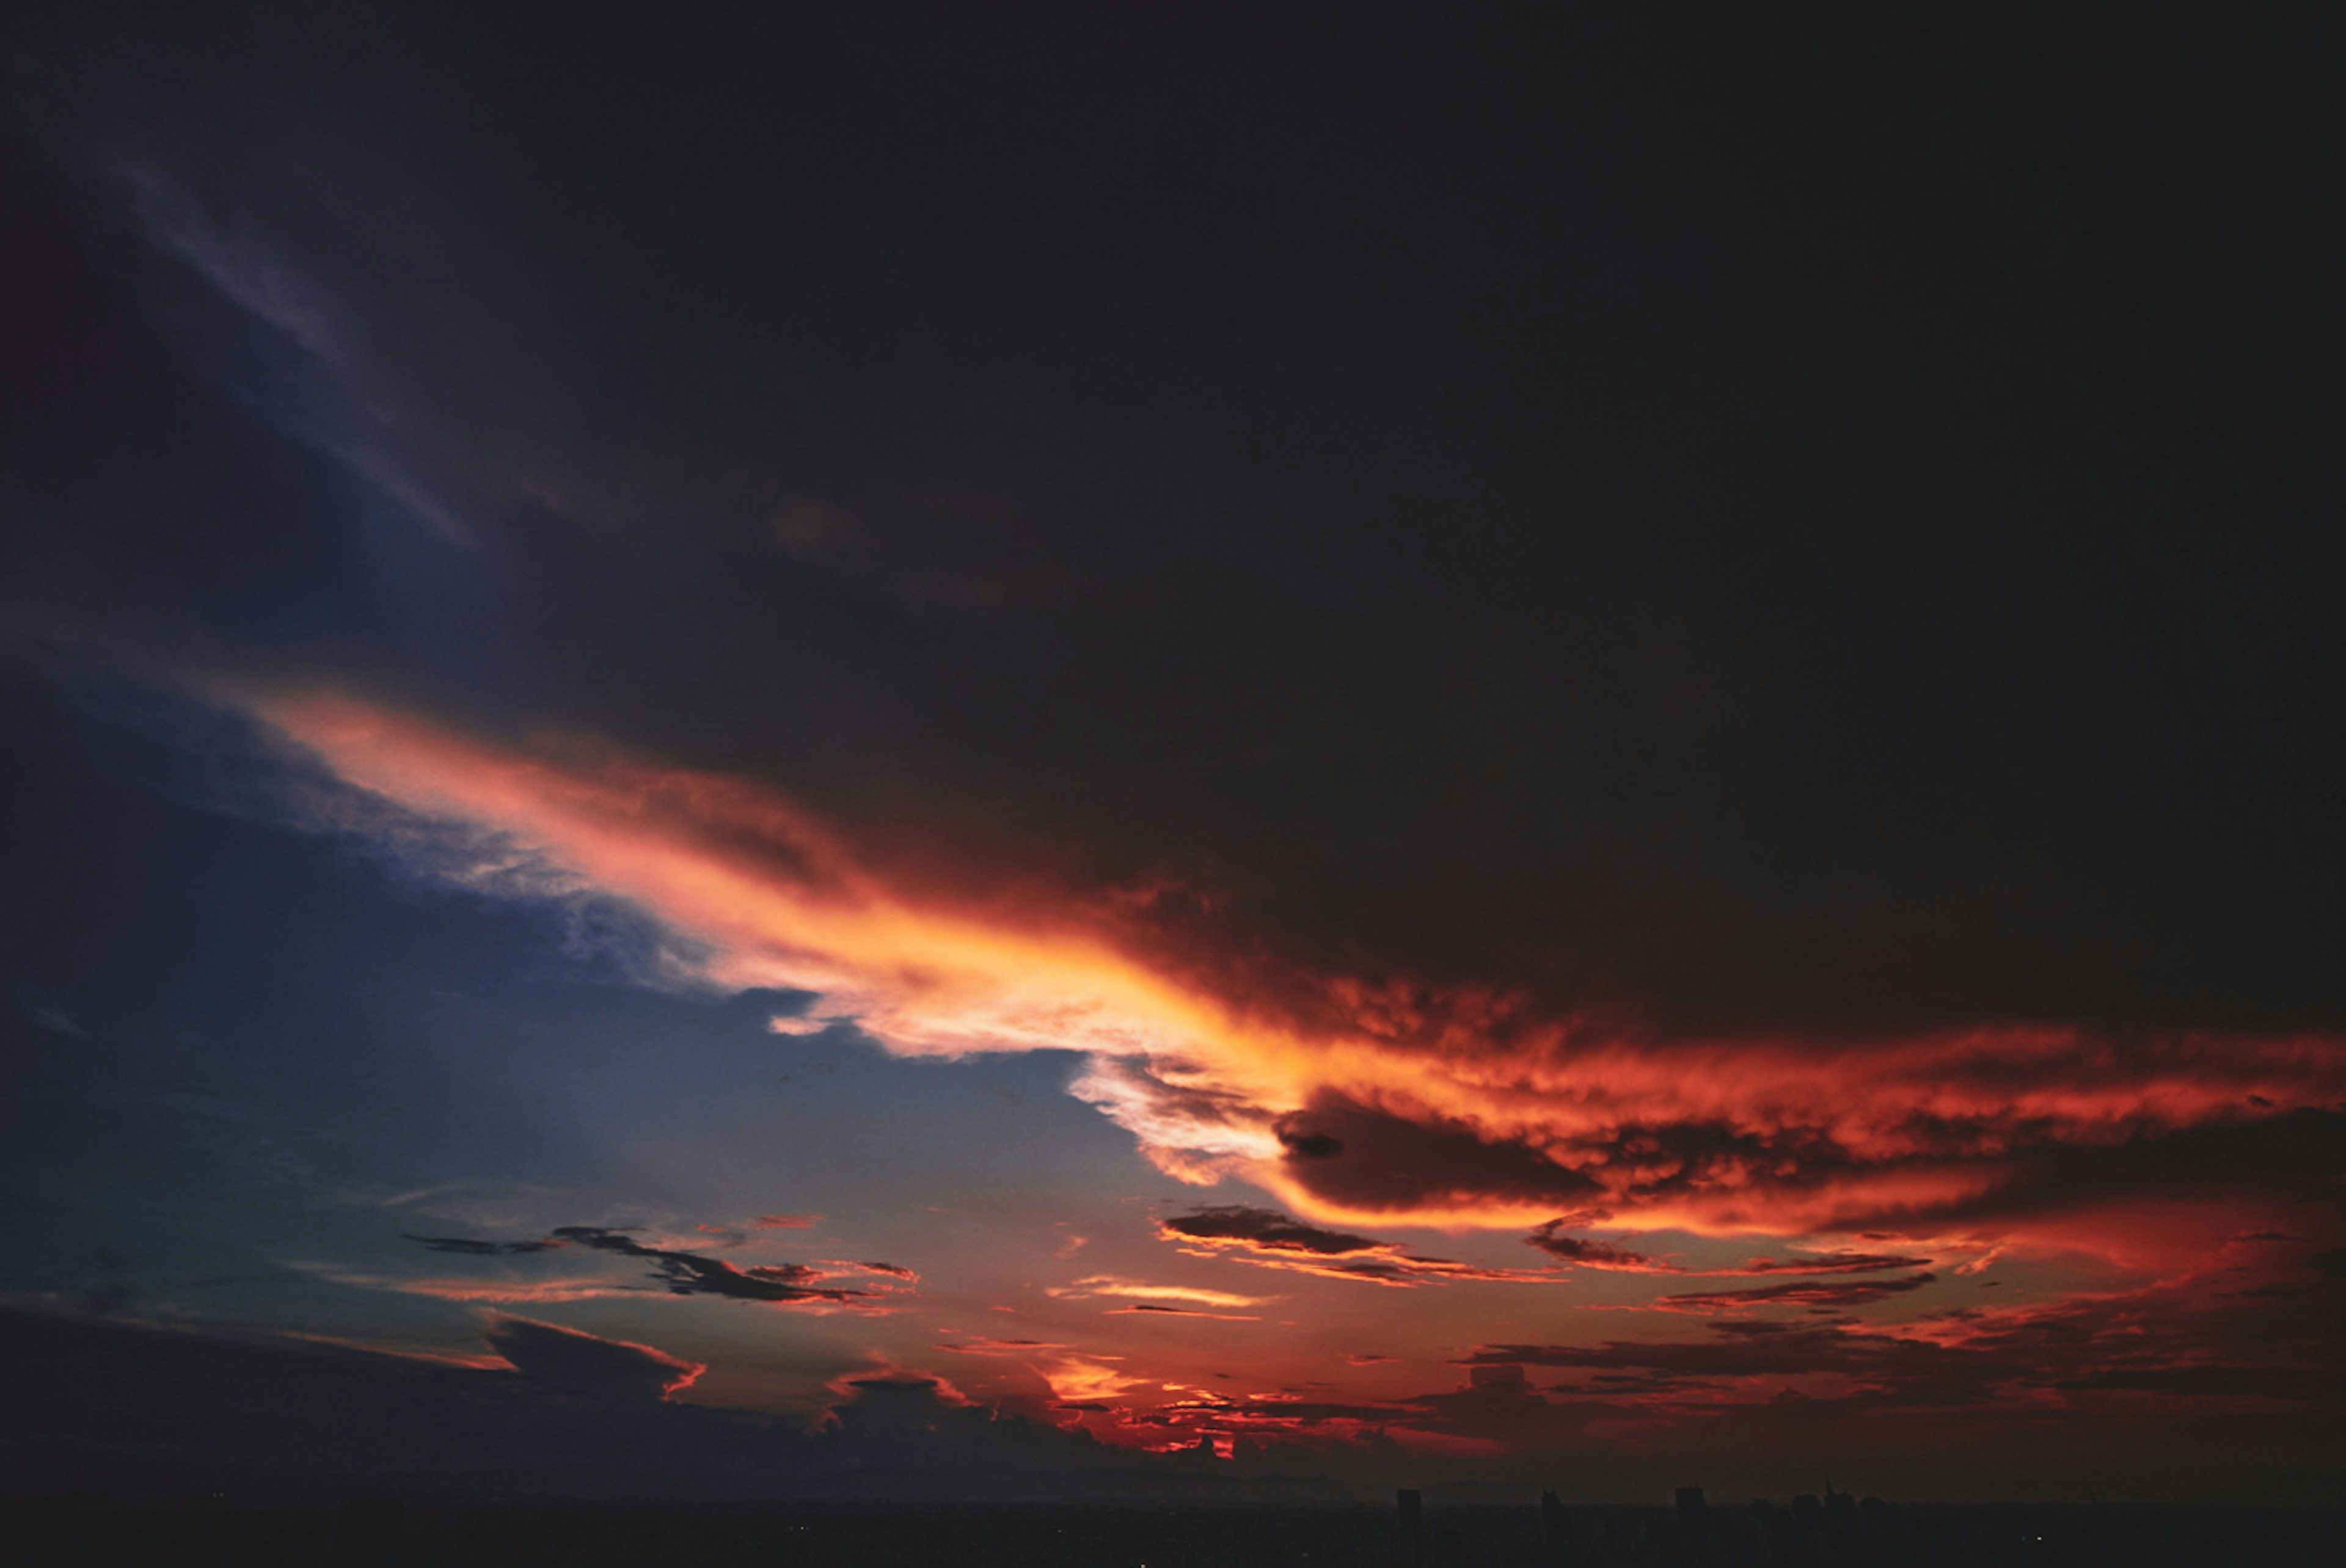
(1834, 1531)
(122, 1443)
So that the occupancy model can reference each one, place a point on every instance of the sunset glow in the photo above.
(1192, 757)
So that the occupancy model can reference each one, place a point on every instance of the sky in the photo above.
(1150, 745)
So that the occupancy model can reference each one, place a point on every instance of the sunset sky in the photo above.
(1477, 743)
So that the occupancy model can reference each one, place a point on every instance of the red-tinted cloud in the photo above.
(1362, 1104)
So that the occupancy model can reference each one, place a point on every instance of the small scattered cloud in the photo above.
(1142, 1290)
(986, 1346)
(1836, 1263)
(471, 1248)
(1266, 1229)
(693, 1274)
(1586, 1252)
(1589, 1253)
(682, 1272)
(1270, 1239)
(1794, 1293)
(510, 1291)
(1084, 1380)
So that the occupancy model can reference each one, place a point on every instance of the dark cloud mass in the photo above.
(1501, 692)
(584, 1363)
(1351, 1154)
(1713, 646)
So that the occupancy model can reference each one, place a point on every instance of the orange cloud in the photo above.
(1082, 1379)
(1137, 1290)
(1363, 1104)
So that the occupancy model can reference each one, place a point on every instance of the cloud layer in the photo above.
(1398, 1104)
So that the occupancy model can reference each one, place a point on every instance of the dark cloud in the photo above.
(693, 1274)
(1306, 1146)
(1550, 1238)
(146, 1411)
(1760, 1351)
(1358, 1157)
(1590, 1253)
(2188, 1339)
(1264, 1228)
(584, 1363)
(1270, 1239)
(2275, 1161)
(2025, 1166)
(1408, 560)
(1832, 1263)
(683, 1273)
(1836, 1293)
(482, 1249)
(1606, 766)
